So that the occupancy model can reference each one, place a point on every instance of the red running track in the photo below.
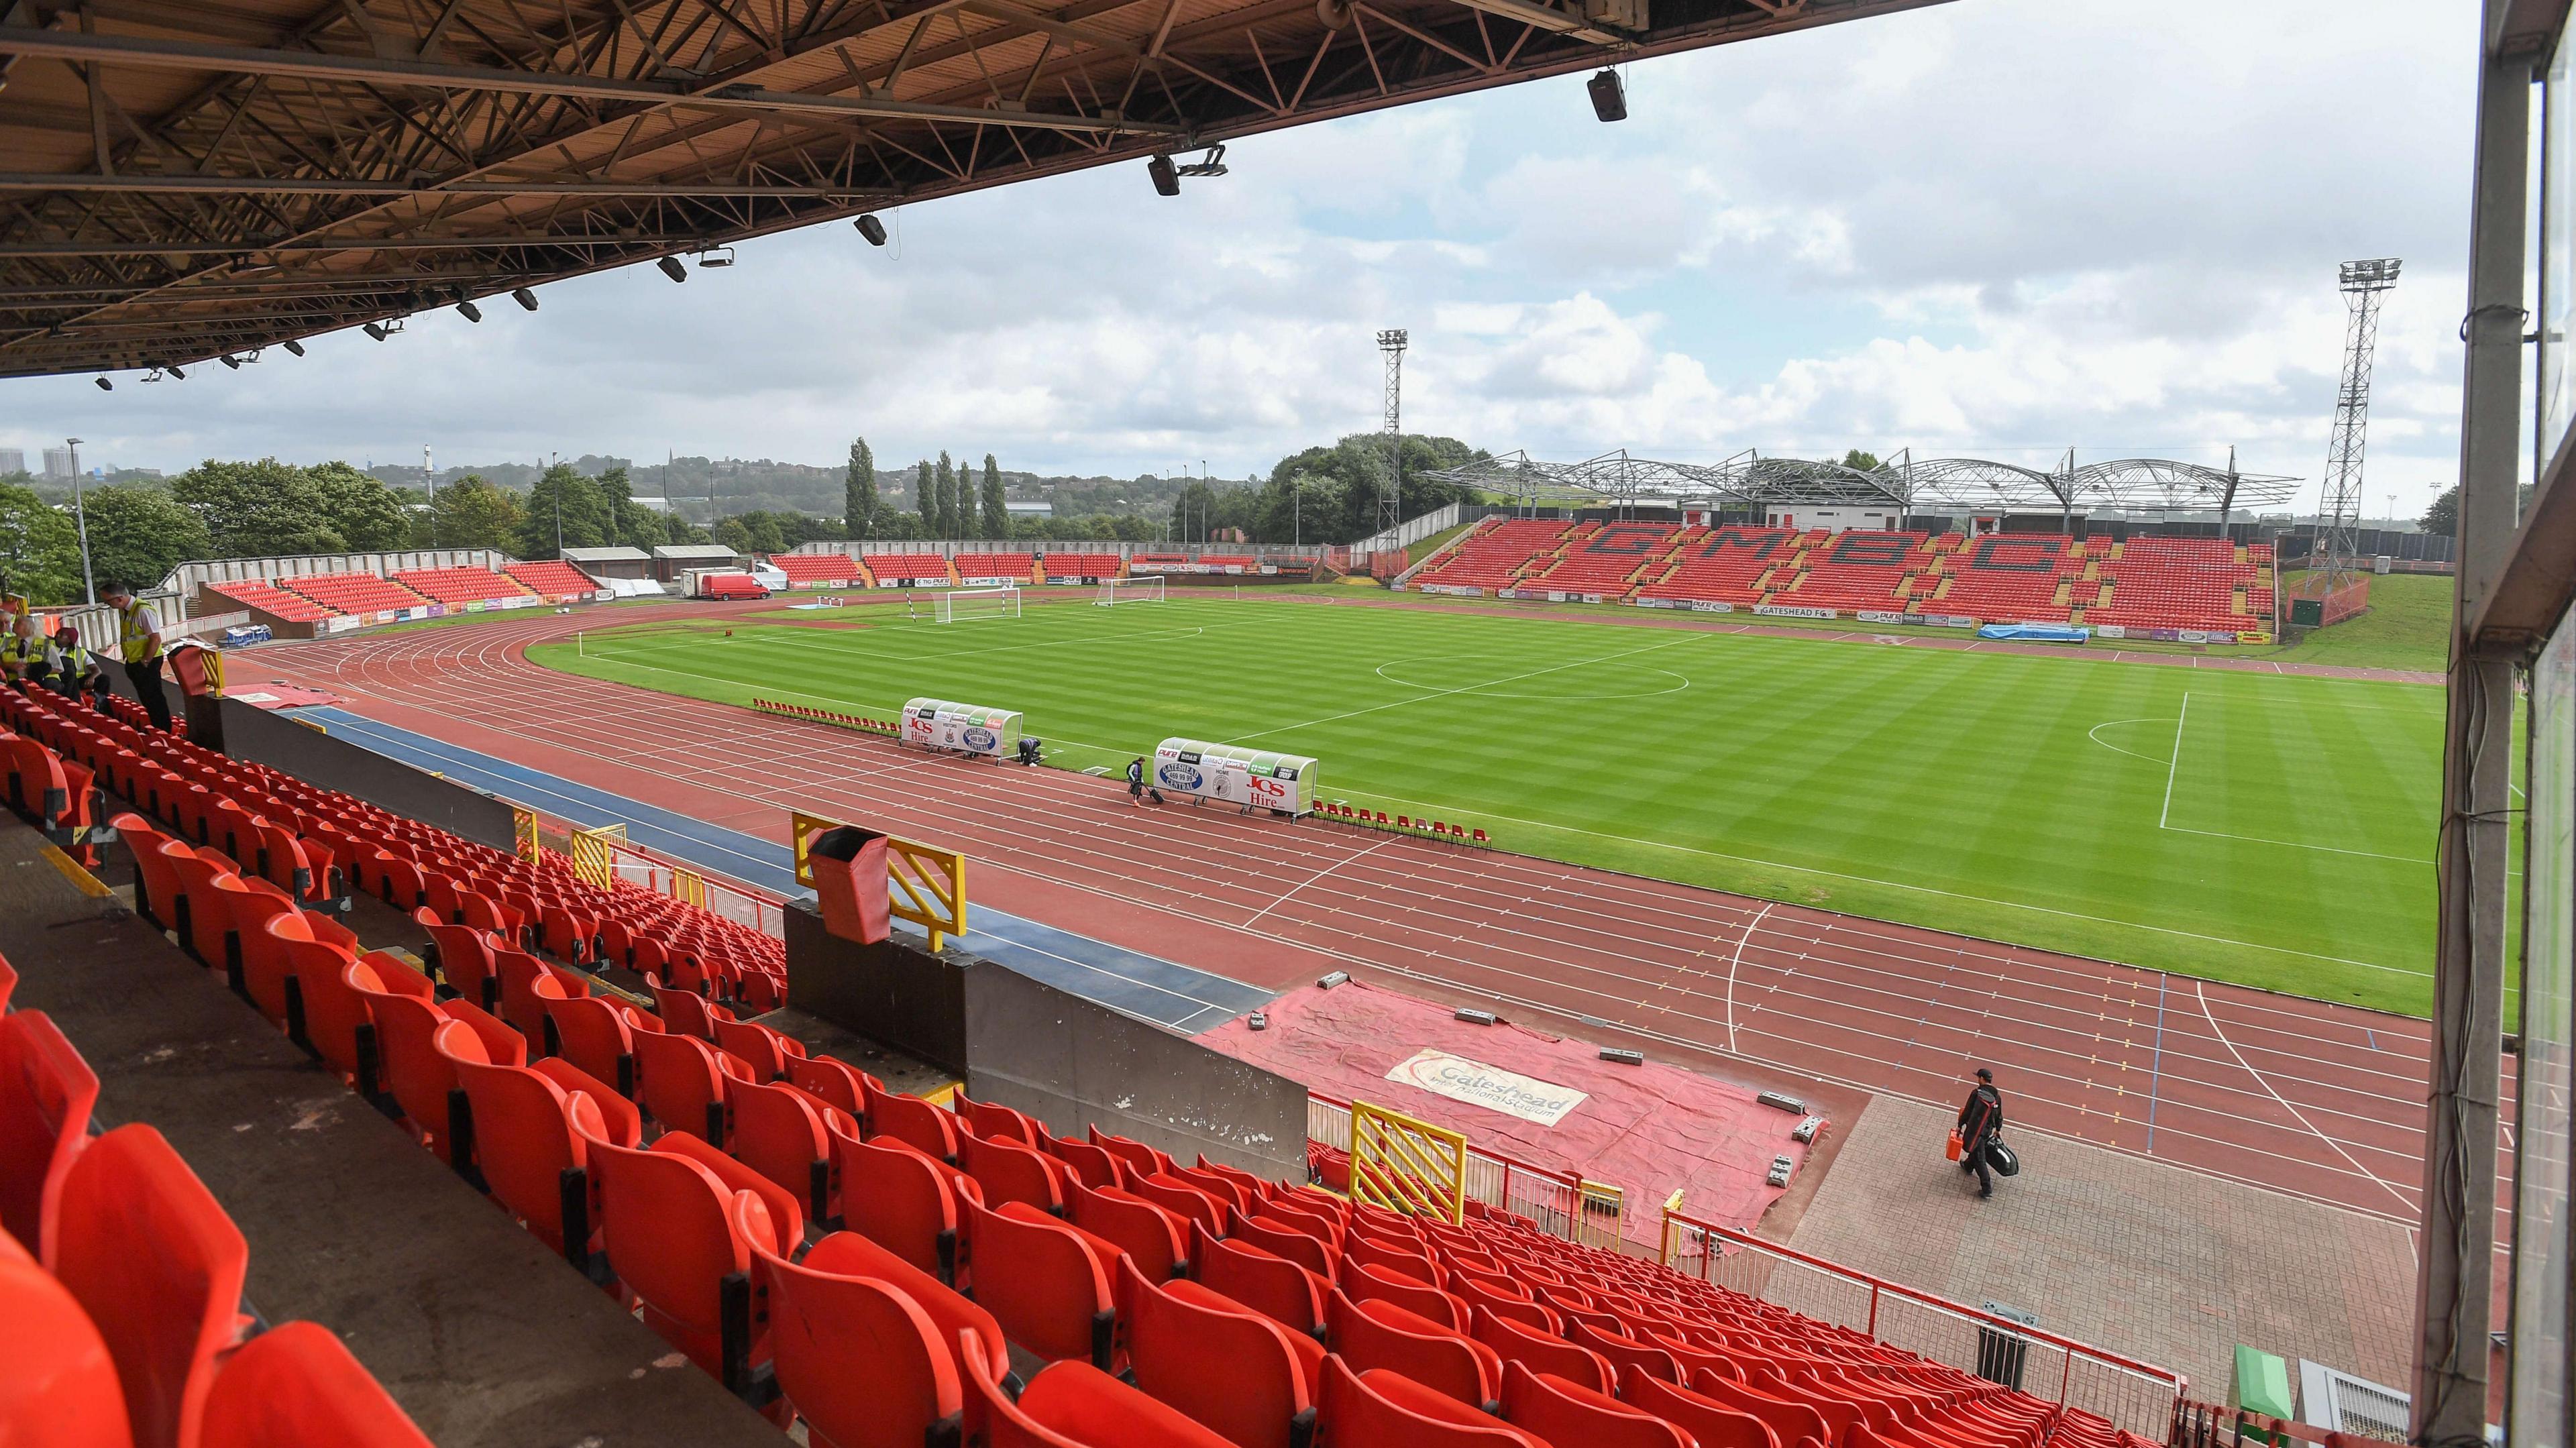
(2305, 1097)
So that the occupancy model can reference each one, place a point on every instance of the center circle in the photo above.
(1571, 683)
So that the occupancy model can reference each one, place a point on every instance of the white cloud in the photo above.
(2004, 228)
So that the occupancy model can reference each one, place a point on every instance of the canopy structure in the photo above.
(187, 180)
(1753, 482)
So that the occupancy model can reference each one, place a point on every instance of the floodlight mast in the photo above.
(2340, 504)
(1390, 499)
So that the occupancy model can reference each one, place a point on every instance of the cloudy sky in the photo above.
(1995, 228)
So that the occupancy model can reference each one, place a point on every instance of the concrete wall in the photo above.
(1065, 1060)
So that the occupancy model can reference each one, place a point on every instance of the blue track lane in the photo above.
(1158, 990)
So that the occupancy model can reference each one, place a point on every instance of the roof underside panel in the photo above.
(180, 179)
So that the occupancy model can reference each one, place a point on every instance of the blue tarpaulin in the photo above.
(2040, 633)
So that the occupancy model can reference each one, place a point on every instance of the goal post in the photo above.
(1148, 589)
(960, 605)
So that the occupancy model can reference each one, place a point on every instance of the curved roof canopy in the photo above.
(187, 179)
(1750, 480)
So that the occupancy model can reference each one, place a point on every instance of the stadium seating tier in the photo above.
(459, 586)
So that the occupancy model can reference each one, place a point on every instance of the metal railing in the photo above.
(603, 855)
(1562, 1203)
(2137, 1397)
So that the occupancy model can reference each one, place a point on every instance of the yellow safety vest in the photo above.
(134, 643)
(19, 652)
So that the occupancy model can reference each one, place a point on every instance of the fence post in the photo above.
(1873, 1311)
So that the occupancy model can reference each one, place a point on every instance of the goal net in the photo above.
(1130, 590)
(958, 605)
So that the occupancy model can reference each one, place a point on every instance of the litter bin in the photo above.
(849, 866)
(2002, 1353)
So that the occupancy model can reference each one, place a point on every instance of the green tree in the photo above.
(1860, 461)
(258, 509)
(733, 534)
(944, 482)
(925, 496)
(565, 506)
(2443, 516)
(1341, 485)
(140, 534)
(366, 514)
(39, 547)
(472, 513)
(859, 493)
(997, 508)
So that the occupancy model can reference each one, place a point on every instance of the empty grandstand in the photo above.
(460, 585)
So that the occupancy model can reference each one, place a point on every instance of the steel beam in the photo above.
(2455, 1266)
(328, 186)
(184, 247)
(185, 55)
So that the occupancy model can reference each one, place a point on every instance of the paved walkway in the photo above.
(2169, 1267)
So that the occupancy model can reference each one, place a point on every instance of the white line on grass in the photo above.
(2095, 734)
(1445, 693)
(2173, 766)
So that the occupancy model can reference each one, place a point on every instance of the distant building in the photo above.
(58, 464)
(1039, 509)
(12, 460)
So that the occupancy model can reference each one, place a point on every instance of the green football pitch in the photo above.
(2269, 829)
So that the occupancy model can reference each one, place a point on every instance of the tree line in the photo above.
(139, 531)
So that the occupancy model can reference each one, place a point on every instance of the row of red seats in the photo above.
(1495, 552)
(1401, 822)
(809, 570)
(907, 567)
(552, 579)
(1067, 567)
(458, 586)
(358, 593)
(121, 1318)
(294, 608)
(323, 844)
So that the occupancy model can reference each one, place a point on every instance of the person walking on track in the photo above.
(138, 643)
(1136, 783)
(1980, 1121)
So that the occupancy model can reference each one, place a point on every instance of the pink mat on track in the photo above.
(1649, 1129)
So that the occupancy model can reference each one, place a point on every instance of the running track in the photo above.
(2316, 1100)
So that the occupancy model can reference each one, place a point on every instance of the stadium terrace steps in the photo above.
(294, 608)
(353, 593)
(1496, 552)
(456, 586)
(551, 579)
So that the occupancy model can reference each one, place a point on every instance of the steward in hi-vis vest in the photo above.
(138, 643)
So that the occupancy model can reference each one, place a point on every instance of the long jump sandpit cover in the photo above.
(1542, 1099)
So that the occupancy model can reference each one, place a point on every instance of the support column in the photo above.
(2453, 1307)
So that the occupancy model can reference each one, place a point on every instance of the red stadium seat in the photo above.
(593, 1033)
(1384, 1335)
(1564, 1412)
(856, 1358)
(1189, 1203)
(158, 1266)
(680, 1084)
(1380, 1408)
(1230, 1369)
(915, 1122)
(1622, 1351)
(1069, 1405)
(768, 1052)
(1093, 1165)
(1279, 1241)
(900, 1198)
(1153, 1238)
(8, 982)
(1042, 1281)
(296, 1386)
(837, 1082)
(1703, 1416)
(59, 1387)
(1514, 1342)
(1272, 1286)
(787, 1136)
(950, 1311)
(46, 1092)
(1010, 1172)
(1789, 1420)
(528, 1146)
(1366, 1283)
(1139, 1157)
(676, 1239)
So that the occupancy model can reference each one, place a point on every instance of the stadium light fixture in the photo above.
(1167, 177)
(468, 310)
(524, 297)
(376, 330)
(104, 385)
(175, 372)
(671, 268)
(294, 347)
(873, 228)
(716, 256)
(1609, 97)
(231, 361)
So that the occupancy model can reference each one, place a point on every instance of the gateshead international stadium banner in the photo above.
(1491, 1087)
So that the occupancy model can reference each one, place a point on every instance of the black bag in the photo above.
(2001, 1158)
(1157, 794)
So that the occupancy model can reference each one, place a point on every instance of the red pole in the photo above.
(1873, 1312)
(2066, 1379)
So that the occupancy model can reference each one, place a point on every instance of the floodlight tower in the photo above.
(2340, 514)
(1390, 500)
